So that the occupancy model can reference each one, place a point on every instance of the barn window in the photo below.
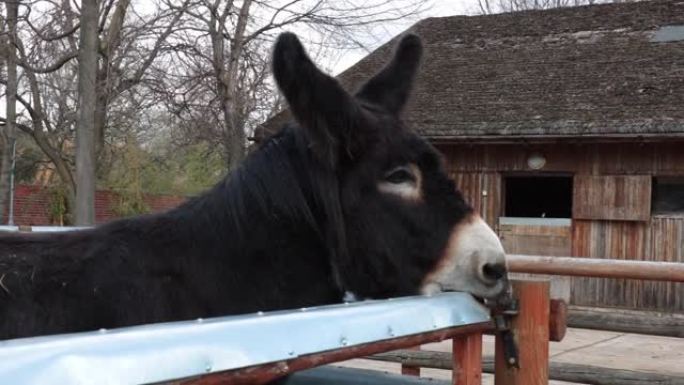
(538, 196)
(668, 195)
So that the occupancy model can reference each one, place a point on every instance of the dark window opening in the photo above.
(668, 195)
(538, 196)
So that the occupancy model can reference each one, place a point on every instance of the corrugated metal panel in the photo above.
(612, 197)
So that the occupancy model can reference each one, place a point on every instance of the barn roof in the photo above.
(611, 70)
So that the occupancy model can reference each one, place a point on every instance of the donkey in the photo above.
(345, 200)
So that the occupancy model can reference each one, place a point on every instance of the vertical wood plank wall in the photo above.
(478, 167)
(473, 184)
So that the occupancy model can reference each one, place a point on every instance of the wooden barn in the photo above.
(565, 129)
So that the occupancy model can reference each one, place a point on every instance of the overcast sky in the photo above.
(437, 8)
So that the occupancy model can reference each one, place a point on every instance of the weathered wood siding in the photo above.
(580, 158)
(660, 239)
(482, 191)
(536, 240)
(612, 197)
(643, 237)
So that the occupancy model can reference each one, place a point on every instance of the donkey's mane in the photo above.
(280, 193)
(281, 179)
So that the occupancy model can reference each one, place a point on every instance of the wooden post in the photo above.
(467, 360)
(409, 370)
(558, 320)
(531, 332)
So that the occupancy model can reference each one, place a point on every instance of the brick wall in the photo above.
(32, 205)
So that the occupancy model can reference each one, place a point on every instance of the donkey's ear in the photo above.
(317, 101)
(391, 87)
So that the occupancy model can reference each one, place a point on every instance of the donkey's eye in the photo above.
(400, 175)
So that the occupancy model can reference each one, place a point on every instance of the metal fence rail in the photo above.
(251, 349)
(40, 229)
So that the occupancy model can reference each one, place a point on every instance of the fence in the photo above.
(258, 348)
(250, 349)
(38, 206)
(537, 369)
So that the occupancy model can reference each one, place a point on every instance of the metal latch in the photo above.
(502, 314)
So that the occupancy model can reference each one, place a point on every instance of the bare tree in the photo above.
(84, 213)
(202, 64)
(127, 43)
(221, 87)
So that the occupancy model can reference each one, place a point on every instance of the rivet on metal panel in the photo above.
(282, 367)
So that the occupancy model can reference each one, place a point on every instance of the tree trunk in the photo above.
(5, 170)
(40, 133)
(84, 213)
(233, 138)
(9, 132)
(110, 45)
(235, 126)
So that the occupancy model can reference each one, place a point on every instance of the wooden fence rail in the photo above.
(560, 371)
(596, 267)
(531, 327)
(626, 321)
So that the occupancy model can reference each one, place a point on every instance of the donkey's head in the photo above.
(407, 229)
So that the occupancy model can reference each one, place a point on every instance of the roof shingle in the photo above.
(601, 70)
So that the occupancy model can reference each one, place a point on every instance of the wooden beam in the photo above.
(531, 332)
(596, 267)
(560, 371)
(467, 359)
(627, 321)
(411, 370)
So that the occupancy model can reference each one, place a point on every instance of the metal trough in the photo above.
(182, 350)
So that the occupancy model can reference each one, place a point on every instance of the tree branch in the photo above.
(128, 83)
(20, 126)
(46, 38)
(51, 68)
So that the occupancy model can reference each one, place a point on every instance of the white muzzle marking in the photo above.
(474, 261)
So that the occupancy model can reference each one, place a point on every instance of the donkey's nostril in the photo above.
(494, 271)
